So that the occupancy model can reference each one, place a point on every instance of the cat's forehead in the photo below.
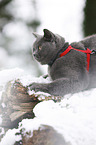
(39, 41)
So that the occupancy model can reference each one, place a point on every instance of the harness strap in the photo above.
(87, 51)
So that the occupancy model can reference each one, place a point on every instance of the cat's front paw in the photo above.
(34, 86)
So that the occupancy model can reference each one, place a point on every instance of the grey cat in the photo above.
(68, 73)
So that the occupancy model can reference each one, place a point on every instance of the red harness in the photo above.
(87, 51)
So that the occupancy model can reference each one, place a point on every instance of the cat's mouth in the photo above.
(37, 57)
(41, 59)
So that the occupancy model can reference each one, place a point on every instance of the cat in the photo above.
(68, 73)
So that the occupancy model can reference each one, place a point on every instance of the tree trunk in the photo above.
(90, 17)
(16, 104)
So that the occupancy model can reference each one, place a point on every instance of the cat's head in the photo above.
(47, 46)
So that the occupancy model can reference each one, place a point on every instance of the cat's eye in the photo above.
(39, 47)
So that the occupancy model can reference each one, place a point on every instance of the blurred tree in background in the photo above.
(18, 19)
(90, 17)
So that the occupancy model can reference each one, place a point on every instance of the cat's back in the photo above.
(68, 66)
(89, 42)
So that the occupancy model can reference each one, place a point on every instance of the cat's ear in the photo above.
(48, 35)
(36, 35)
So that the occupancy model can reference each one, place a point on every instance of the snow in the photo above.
(74, 117)
(10, 135)
(28, 79)
(42, 94)
(9, 75)
(17, 73)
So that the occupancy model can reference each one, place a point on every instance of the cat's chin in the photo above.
(43, 63)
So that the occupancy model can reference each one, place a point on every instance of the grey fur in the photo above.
(68, 73)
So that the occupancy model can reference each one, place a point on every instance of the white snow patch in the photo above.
(10, 138)
(17, 73)
(28, 79)
(10, 74)
(74, 118)
(2, 131)
(42, 94)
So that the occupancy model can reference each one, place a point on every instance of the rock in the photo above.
(45, 135)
